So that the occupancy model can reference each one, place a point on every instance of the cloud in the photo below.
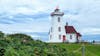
(18, 14)
(23, 10)
(35, 26)
(91, 31)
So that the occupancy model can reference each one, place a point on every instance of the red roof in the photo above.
(71, 29)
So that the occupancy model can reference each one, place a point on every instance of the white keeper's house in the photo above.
(62, 33)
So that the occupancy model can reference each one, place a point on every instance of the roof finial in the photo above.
(57, 7)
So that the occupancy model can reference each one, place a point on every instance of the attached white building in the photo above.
(72, 35)
(59, 32)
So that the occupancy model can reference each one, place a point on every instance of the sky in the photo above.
(27, 16)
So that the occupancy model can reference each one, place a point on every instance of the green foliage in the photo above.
(76, 49)
(1, 35)
(23, 45)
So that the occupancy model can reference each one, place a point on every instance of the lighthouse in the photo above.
(57, 30)
(60, 32)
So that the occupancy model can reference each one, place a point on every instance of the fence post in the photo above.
(83, 49)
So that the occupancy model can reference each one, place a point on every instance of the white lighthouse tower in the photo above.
(57, 30)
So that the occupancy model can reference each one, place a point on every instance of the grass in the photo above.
(76, 49)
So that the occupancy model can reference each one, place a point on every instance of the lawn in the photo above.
(76, 49)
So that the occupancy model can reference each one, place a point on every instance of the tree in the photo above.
(1, 35)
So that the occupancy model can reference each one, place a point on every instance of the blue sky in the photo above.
(34, 15)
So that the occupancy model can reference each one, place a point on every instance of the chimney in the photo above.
(66, 23)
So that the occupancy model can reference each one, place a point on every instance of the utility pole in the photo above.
(83, 49)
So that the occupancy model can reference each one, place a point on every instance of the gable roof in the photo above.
(71, 29)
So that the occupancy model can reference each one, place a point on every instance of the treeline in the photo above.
(23, 45)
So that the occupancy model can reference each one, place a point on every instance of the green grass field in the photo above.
(76, 49)
(23, 45)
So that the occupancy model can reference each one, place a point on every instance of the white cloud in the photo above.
(23, 10)
(87, 31)
(25, 27)
(87, 14)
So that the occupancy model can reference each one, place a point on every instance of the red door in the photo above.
(64, 38)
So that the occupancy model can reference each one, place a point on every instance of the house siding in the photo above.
(73, 39)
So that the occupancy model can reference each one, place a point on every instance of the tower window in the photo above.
(51, 29)
(58, 19)
(50, 36)
(70, 36)
(59, 36)
(59, 29)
